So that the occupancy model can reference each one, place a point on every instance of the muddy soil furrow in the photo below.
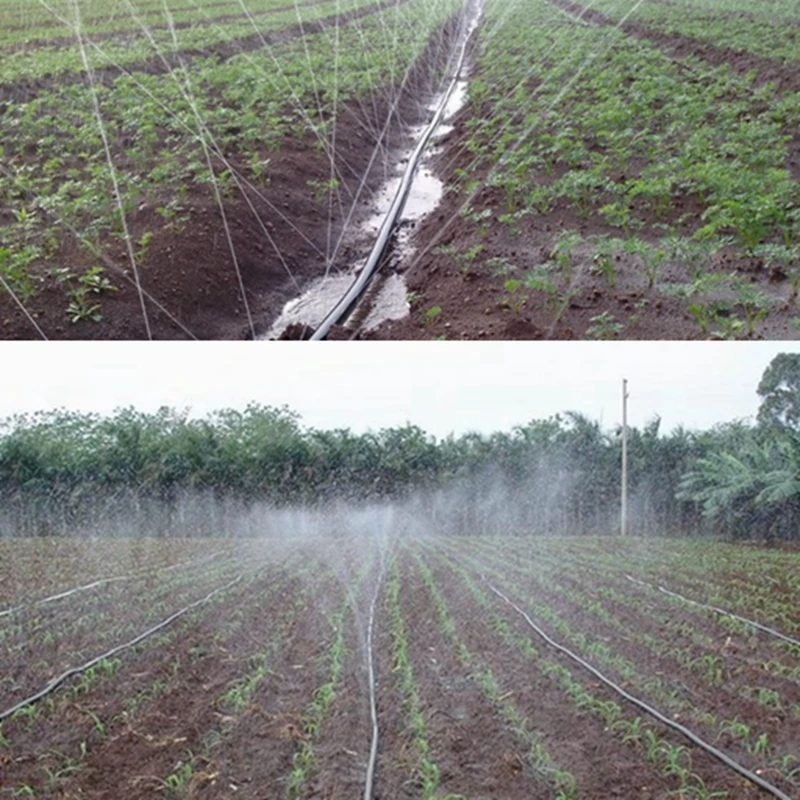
(108, 598)
(125, 34)
(168, 684)
(575, 737)
(694, 686)
(24, 91)
(477, 755)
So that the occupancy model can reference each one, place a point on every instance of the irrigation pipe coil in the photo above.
(56, 682)
(721, 611)
(676, 726)
(343, 308)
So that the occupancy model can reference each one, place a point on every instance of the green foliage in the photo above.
(779, 391)
(604, 326)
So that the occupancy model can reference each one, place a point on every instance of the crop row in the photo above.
(90, 168)
(72, 60)
(662, 757)
(639, 648)
(756, 583)
(771, 32)
(541, 761)
(59, 28)
(28, 17)
(666, 177)
(47, 642)
(223, 642)
(695, 626)
(48, 566)
(29, 662)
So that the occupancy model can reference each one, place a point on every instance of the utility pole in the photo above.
(624, 514)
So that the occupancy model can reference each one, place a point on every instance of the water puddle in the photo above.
(389, 300)
(389, 303)
(311, 307)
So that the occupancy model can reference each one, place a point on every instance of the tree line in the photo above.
(167, 473)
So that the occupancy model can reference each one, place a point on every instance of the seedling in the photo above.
(754, 303)
(563, 251)
(178, 780)
(516, 295)
(761, 745)
(431, 315)
(603, 256)
(604, 326)
(652, 258)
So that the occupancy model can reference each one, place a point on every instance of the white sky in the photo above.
(441, 386)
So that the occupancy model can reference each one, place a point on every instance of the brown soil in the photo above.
(743, 660)
(476, 752)
(126, 34)
(189, 279)
(130, 732)
(574, 737)
(45, 567)
(474, 303)
(72, 631)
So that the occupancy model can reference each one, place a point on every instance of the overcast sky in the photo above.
(443, 387)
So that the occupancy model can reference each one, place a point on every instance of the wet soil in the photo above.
(138, 723)
(45, 641)
(279, 231)
(476, 752)
(45, 566)
(740, 658)
(255, 758)
(457, 301)
(131, 733)
(603, 766)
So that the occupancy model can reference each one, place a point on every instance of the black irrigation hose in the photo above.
(44, 600)
(343, 308)
(373, 706)
(676, 726)
(56, 682)
(721, 611)
(102, 582)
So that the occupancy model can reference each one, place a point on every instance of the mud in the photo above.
(192, 289)
(472, 301)
(131, 734)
